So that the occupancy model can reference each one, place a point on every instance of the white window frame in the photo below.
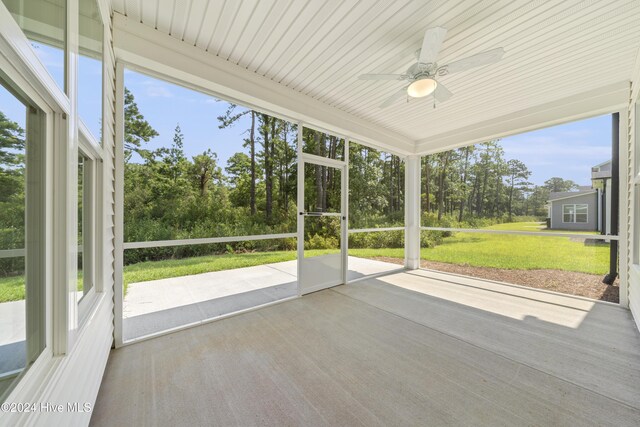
(63, 133)
(90, 239)
(574, 214)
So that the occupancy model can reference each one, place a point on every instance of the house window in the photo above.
(22, 241)
(575, 213)
(44, 24)
(90, 67)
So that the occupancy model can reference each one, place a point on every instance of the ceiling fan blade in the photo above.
(484, 58)
(431, 45)
(381, 77)
(393, 98)
(442, 93)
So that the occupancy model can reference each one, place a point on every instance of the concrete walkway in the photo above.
(12, 336)
(159, 305)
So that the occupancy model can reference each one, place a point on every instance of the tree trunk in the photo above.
(285, 184)
(496, 207)
(427, 189)
(511, 196)
(443, 175)
(463, 197)
(268, 172)
(319, 178)
(482, 194)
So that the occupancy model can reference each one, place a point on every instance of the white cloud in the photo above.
(158, 91)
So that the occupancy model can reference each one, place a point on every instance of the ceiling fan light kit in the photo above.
(422, 87)
(421, 75)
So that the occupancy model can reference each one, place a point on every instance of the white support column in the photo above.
(412, 213)
(300, 203)
(344, 221)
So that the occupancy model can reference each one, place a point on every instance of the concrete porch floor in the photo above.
(410, 348)
(159, 305)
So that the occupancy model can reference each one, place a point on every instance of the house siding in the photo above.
(592, 217)
(631, 211)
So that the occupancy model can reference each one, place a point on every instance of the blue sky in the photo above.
(567, 150)
(165, 105)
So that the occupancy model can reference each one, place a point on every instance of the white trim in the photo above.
(38, 83)
(300, 206)
(343, 167)
(586, 193)
(313, 213)
(88, 142)
(524, 233)
(375, 230)
(624, 208)
(203, 241)
(412, 214)
(344, 221)
(12, 253)
(323, 161)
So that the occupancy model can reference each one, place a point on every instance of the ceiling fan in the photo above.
(422, 76)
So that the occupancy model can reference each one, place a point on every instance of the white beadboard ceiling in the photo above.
(555, 49)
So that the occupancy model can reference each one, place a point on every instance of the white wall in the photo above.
(75, 376)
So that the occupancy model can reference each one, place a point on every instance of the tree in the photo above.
(136, 129)
(229, 118)
(556, 185)
(267, 128)
(467, 151)
(12, 143)
(12, 184)
(517, 177)
(204, 170)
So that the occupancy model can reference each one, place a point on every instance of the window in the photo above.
(22, 279)
(575, 213)
(86, 231)
(90, 67)
(44, 24)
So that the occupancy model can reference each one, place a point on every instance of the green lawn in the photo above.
(521, 252)
(475, 249)
(11, 288)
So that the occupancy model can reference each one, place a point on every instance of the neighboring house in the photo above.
(586, 209)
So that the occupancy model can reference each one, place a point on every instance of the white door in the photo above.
(321, 224)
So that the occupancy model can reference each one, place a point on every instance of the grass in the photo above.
(11, 288)
(475, 249)
(520, 252)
